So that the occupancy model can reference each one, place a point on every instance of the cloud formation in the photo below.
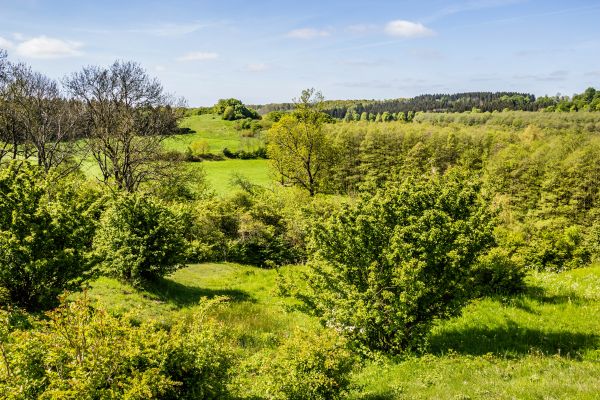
(46, 47)
(407, 29)
(199, 56)
(307, 33)
(5, 43)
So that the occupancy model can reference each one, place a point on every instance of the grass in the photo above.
(218, 133)
(220, 173)
(543, 344)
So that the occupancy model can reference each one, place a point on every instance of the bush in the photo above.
(305, 366)
(83, 353)
(139, 239)
(45, 231)
(254, 227)
(497, 274)
(385, 268)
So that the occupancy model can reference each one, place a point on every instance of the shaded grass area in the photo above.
(543, 344)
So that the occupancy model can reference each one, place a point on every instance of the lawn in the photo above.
(544, 344)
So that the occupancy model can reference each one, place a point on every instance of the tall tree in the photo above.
(128, 117)
(298, 145)
(49, 121)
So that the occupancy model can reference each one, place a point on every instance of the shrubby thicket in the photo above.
(46, 229)
(81, 352)
(388, 266)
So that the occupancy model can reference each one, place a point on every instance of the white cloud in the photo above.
(198, 56)
(407, 29)
(5, 43)
(18, 36)
(257, 67)
(307, 33)
(46, 47)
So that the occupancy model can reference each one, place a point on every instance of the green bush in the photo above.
(46, 228)
(139, 239)
(497, 274)
(250, 228)
(83, 353)
(305, 366)
(385, 268)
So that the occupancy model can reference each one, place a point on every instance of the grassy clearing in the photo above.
(218, 133)
(544, 344)
(220, 173)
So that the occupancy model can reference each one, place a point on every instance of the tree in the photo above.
(45, 231)
(49, 121)
(298, 146)
(385, 268)
(11, 130)
(128, 117)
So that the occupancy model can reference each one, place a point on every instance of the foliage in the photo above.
(253, 228)
(46, 228)
(234, 109)
(495, 273)
(80, 352)
(307, 365)
(390, 265)
(139, 239)
(298, 146)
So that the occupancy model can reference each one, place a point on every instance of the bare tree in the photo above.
(128, 116)
(36, 120)
(50, 121)
(11, 132)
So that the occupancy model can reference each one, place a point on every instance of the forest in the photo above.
(444, 246)
(589, 100)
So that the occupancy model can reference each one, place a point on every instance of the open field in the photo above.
(544, 344)
(219, 134)
(220, 173)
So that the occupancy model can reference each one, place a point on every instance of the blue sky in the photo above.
(267, 51)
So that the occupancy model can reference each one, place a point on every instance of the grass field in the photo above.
(219, 134)
(544, 344)
(220, 173)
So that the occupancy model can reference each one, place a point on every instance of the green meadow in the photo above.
(543, 344)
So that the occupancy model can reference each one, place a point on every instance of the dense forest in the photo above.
(444, 103)
(359, 256)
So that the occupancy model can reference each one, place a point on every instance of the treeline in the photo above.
(448, 103)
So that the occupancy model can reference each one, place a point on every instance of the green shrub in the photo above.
(554, 245)
(83, 353)
(305, 366)
(385, 268)
(139, 239)
(497, 274)
(46, 228)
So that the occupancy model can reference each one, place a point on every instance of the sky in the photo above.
(264, 51)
